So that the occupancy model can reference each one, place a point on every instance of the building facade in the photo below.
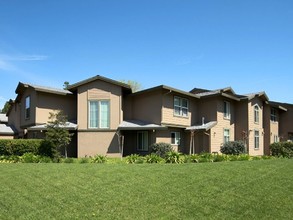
(107, 118)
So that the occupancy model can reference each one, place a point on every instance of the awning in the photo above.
(67, 126)
(139, 125)
(206, 126)
(6, 130)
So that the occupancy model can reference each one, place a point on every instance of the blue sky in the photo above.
(180, 43)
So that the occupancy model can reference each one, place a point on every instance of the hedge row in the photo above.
(282, 149)
(19, 147)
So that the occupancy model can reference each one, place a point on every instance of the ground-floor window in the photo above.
(256, 139)
(142, 141)
(175, 138)
(226, 136)
(276, 138)
(290, 136)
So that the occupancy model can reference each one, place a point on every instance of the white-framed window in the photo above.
(276, 138)
(99, 114)
(226, 135)
(227, 111)
(27, 107)
(256, 114)
(142, 141)
(273, 114)
(256, 139)
(175, 138)
(180, 106)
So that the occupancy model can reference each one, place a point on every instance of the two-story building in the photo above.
(107, 118)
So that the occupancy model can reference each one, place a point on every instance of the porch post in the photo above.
(191, 146)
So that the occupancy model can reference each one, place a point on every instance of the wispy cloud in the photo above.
(23, 57)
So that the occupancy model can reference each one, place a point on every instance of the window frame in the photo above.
(273, 115)
(145, 141)
(177, 138)
(27, 109)
(180, 107)
(256, 140)
(256, 114)
(225, 140)
(227, 110)
(99, 113)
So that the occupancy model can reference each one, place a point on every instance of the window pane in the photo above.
(142, 140)
(184, 111)
(104, 114)
(93, 117)
(177, 110)
(27, 107)
(176, 101)
(184, 103)
(256, 139)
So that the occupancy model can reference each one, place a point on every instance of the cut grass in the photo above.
(228, 190)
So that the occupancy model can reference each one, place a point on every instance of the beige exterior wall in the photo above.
(93, 143)
(99, 90)
(253, 126)
(47, 103)
(147, 107)
(207, 108)
(8, 137)
(33, 103)
(168, 116)
(241, 120)
(14, 117)
(286, 122)
(165, 136)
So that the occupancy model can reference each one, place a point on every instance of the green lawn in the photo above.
(226, 190)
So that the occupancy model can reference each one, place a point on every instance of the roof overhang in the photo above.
(139, 125)
(205, 127)
(68, 126)
(7, 130)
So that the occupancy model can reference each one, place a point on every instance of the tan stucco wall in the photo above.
(92, 143)
(9, 137)
(286, 122)
(147, 107)
(33, 102)
(99, 90)
(14, 117)
(47, 103)
(252, 126)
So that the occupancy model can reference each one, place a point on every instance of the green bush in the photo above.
(84, 160)
(161, 149)
(19, 146)
(99, 159)
(68, 160)
(233, 147)
(282, 149)
(193, 158)
(153, 158)
(173, 157)
(29, 158)
(134, 158)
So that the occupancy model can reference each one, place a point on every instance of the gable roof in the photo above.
(98, 77)
(6, 130)
(277, 105)
(22, 86)
(250, 96)
(171, 89)
(227, 92)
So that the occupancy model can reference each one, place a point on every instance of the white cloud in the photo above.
(24, 57)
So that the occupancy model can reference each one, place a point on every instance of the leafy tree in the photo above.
(135, 86)
(5, 108)
(56, 133)
(65, 85)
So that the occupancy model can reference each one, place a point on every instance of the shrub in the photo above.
(161, 149)
(30, 158)
(153, 158)
(84, 160)
(233, 147)
(19, 146)
(282, 149)
(68, 160)
(193, 158)
(134, 158)
(99, 159)
(173, 157)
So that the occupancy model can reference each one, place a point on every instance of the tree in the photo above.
(135, 86)
(5, 108)
(57, 133)
(65, 85)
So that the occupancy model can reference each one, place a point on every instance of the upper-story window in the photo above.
(99, 114)
(227, 111)
(27, 107)
(180, 106)
(256, 114)
(273, 114)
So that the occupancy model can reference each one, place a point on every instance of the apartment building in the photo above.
(107, 118)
